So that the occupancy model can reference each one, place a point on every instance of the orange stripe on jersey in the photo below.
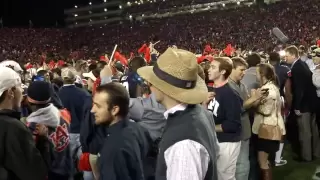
(65, 114)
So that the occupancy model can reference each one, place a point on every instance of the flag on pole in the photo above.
(1, 22)
(30, 24)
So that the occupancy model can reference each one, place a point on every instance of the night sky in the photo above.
(42, 13)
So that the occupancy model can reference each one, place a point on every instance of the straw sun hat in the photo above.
(176, 75)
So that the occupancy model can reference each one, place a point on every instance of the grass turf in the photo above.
(294, 170)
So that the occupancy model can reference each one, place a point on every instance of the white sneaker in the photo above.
(281, 162)
(316, 175)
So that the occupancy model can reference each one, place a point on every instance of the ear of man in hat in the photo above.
(176, 75)
(10, 82)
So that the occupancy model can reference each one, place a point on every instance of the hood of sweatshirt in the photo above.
(49, 116)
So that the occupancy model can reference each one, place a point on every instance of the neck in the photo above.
(273, 63)
(6, 105)
(169, 103)
(234, 79)
(263, 82)
(219, 82)
(116, 119)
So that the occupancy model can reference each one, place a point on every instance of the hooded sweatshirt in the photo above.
(58, 135)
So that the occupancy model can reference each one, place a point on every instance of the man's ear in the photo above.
(115, 110)
(10, 92)
(223, 72)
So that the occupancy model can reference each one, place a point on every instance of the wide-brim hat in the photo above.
(176, 75)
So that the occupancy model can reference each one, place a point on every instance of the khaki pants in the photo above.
(308, 136)
(94, 166)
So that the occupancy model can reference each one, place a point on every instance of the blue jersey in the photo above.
(131, 80)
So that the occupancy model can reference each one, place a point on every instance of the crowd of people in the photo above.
(246, 28)
(224, 118)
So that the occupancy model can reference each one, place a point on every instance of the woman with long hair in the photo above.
(268, 126)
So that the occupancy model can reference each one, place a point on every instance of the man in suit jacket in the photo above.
(303, 105)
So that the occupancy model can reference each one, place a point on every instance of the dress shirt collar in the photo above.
(294, 62)
(179, 107)
(65, 85)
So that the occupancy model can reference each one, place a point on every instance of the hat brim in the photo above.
(196, 95)
(89, 75)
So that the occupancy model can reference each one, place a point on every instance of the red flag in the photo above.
(121, 58)
(142, 49)
(228, 50)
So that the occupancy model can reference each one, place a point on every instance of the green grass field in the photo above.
(295, 170)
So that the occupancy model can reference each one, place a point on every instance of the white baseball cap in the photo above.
(8, 79)
(69, 73)
(90, 75)
(12, 64)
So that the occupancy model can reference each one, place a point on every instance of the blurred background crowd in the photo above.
(247, 28)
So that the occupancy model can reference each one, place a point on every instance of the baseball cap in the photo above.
(90, 75)
(8, 79)
(68, 73)
(11, 64)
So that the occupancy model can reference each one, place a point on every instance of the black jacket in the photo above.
(303, 90)
(19, 157)
(124, 150)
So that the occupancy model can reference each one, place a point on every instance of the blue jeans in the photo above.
(74, 144)
(243, 163)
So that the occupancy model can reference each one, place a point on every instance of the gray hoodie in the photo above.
(58, 135)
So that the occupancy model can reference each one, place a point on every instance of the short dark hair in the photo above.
(92, 67)
(238, 61)
(225, 64)
(253, 59)
(274, 57)
(42, 72)
(101, 64)
(136, 63)
(118, 96)
(57, 71)
(3, 96)
(293, 50)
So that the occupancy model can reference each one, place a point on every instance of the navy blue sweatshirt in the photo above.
(226, 109)
(73, 99)
(124, 152)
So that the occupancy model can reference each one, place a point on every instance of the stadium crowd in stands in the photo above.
(246, 28)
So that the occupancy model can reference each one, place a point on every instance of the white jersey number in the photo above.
(214, 106)
(126, 85)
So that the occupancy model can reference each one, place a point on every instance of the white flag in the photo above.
(30, 24)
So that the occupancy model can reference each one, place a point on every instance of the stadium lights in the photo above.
(90, 3)
(105, 9)
(75, 6)
(120, 7)
(75, 15)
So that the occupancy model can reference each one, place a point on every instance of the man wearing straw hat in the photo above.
(187, 147)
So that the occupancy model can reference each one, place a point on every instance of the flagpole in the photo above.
(114, 50)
